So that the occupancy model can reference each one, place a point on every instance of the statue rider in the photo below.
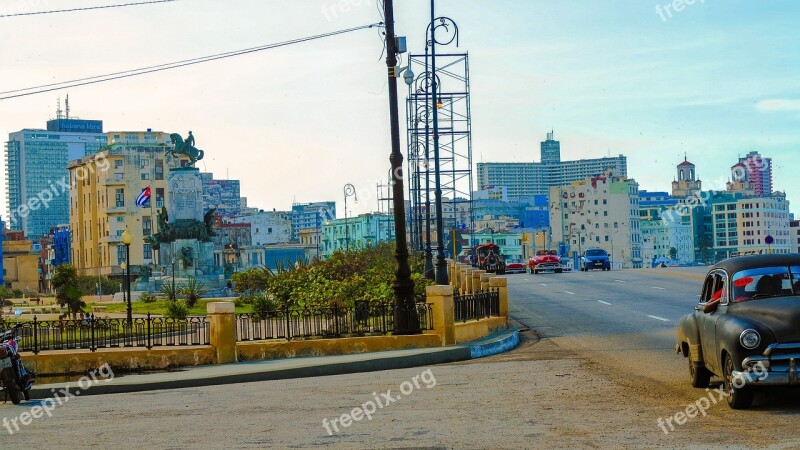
(189, 142)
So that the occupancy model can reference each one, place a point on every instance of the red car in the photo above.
(515, 267)
(545, 261)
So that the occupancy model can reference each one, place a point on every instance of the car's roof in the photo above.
(738, 263)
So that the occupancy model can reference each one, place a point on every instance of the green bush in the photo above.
(170, 292)
(177, 309)
(263, 305)
(148, 298)
(192, 290)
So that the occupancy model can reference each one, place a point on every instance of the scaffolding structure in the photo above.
(455, 145)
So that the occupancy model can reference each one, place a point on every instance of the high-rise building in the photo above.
(36, 171)
(531, 178)
(102, 197)
(741, 223)
(794, 235)
(311, 216)
(601, 211)
(756, 170)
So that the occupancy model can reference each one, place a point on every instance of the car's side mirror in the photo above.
(711, 306)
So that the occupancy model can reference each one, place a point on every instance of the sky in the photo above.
(711, 80)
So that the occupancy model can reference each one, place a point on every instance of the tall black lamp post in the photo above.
(406, 318)
(445, 23)
(127, 239)
(349, 191)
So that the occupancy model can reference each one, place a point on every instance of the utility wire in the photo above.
(85, 8)
(173, 65)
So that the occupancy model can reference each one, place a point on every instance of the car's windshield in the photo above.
(765, 282)
(597, 252)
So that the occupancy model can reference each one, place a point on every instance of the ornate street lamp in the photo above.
(349, 191)
(127, 239)
(445, 23)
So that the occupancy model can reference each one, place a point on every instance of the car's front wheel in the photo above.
(738, 397)
(699, 375)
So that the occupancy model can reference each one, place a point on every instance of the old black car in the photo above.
(746, 328)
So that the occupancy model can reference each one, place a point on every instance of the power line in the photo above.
(172, 65)
(85, 8)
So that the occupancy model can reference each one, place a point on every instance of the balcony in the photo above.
(115, 182)
(116, 210)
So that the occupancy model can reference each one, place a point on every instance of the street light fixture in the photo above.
(349, 191)
(127, 239)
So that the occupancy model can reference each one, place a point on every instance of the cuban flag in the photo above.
(144, 198)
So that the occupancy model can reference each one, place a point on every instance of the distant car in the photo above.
(515, 267)
(595, 258)
(545, 260)
(745, 327)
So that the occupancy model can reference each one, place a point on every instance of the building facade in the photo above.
(267, 227)
(361, 231)
(102, 199)
(36, 171)
(794, 234)
(528, 179)
(224, 195)
(601, 211)
(311, 216)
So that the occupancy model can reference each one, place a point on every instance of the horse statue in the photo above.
(186, 148)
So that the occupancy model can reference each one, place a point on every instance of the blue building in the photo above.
(61, 246)
(36, 164)
(311, 216)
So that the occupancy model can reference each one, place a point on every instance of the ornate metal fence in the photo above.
(363, 319)
(92, 333)
(476, 306)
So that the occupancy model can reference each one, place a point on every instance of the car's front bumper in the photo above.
(777, 366)
(547, 266)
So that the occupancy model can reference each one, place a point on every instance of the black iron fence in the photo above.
(93, 332)
(476, 306)
(363, 319)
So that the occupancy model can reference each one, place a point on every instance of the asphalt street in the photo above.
(612, 317)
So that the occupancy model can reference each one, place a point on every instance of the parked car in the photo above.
(595, 258)
(745, 327)
(545, 260)
(515, 267)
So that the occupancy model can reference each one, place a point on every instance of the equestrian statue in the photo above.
(186, 147)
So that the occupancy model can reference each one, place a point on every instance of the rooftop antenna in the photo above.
(58, 108)
(66, 103)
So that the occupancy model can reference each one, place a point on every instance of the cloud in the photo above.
(778, 104)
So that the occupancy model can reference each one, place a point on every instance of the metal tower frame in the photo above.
(455, 143)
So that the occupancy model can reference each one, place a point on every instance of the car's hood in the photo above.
(548, 258)
(780, 314)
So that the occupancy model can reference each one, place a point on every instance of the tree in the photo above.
(673, 252)
(65, 276)
(73, 301)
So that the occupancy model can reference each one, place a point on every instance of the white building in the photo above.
(525, 179)
(601, 211)
(267, 227)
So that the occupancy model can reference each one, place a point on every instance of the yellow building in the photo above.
(103, 192)
(21, 265)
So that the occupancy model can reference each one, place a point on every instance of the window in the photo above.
(120, 254)
(159, 169)
(147, 225)
(145, 176)
(117, 163)
(120, 197)
(144, 163)
(148, 251)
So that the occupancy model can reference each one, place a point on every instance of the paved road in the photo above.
(612, 317)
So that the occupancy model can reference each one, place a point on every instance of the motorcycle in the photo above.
(14, 379)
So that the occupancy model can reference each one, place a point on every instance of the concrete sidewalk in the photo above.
(292, 367)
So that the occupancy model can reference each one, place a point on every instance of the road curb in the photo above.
(306, 367)
(677, 274)
(499, 344)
